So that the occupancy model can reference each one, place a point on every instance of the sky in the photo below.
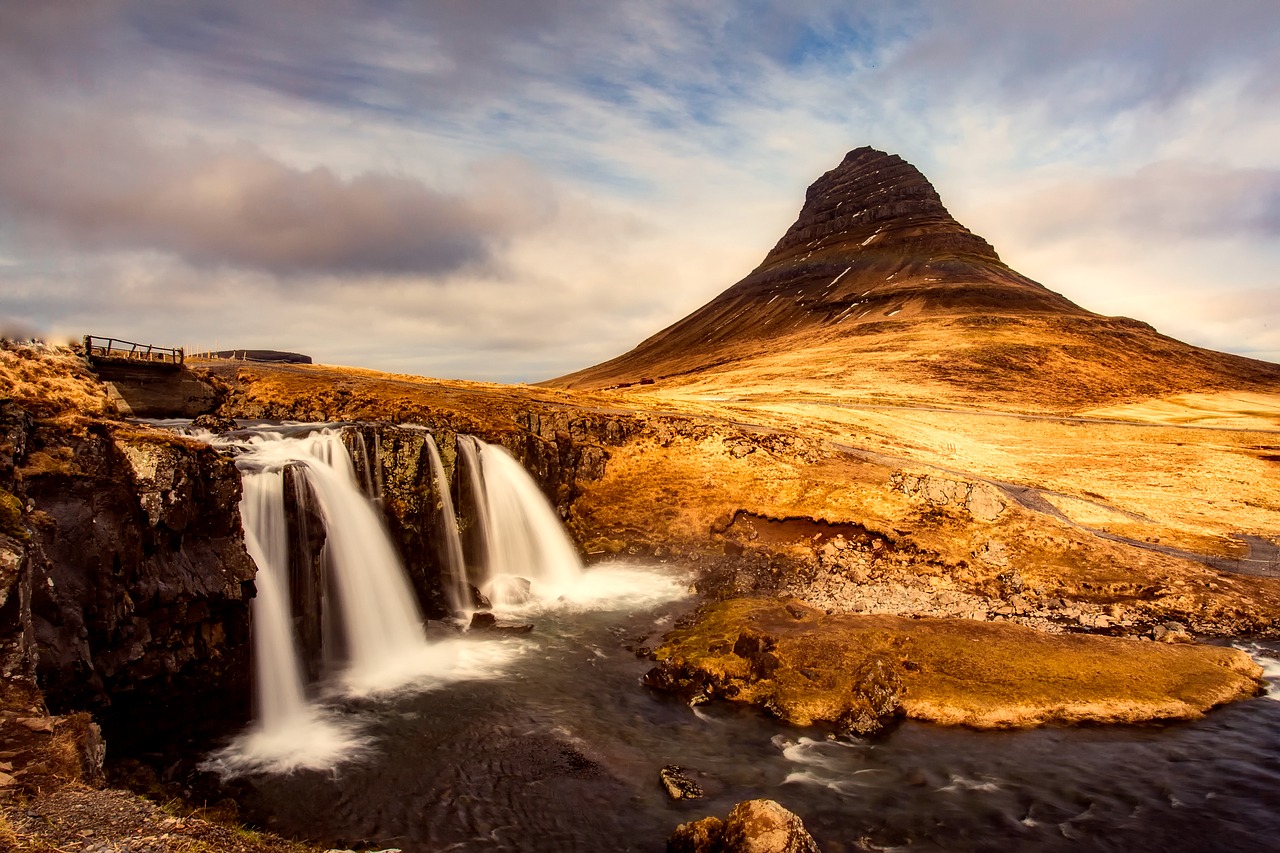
(509, 191)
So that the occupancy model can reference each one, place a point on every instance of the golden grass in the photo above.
(51, 381)
(959, 672)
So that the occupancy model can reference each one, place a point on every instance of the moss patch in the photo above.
(11, 516)
(807, 667)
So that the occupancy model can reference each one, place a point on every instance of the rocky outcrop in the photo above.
(753, 826)
(860, 673)
(137, 575)
(874, 194)
(983, 501)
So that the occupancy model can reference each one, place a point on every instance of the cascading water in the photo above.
(524, 537)
(361, 591)
(381, 621)
(456, 585)
(384, 646)
(469, 449)
(278, 679)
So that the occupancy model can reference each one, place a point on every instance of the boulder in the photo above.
(697, 836)
(753, 826)
(215, 423)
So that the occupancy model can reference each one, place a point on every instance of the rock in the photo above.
(481, 621)
(37, 724)
(764, 826)
(215, 423)
(1172, 632)
(754, 826)
(981, 500)
(753, 642)
(984, 502)
(512, 590)
(1011, 581)
(877, 698)
(698, 836)
(678, 784)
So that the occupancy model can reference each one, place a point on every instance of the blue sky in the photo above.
(510, 191)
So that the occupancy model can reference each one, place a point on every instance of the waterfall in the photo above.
(469, 448)
(366, 465)
(524, 536)
(376, 619)
(350, 596)
(456, 585)
(277, 675)
(381, 621)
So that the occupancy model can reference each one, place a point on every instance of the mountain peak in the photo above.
(875, 198)
(876, 289)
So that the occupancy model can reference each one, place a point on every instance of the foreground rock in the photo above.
(861, 672)
(754, 826)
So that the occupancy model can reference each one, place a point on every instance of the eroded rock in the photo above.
(981, 500)
(678, 784)
(753, 826)
(861, 672)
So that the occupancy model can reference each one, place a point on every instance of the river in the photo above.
(547, 741)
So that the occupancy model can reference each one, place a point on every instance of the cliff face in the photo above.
(140, 581)
(124, 583)
(872, 193)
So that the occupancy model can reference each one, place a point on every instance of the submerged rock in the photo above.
(485, 621)
(215, 423)
(753, 826)
(678, 784)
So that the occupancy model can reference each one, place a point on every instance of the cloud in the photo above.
(1166, 200)
(96, 187)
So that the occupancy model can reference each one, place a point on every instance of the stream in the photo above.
(547, 741)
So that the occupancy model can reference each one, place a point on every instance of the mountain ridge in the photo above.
(875, 264)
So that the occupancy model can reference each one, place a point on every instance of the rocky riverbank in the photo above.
(859, 673)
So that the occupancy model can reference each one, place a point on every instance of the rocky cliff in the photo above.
(125, 581)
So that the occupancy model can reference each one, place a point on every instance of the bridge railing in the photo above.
(99, 347)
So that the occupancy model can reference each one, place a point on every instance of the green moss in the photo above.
(11, 517)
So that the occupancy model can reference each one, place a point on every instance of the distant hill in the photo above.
(270, 355)
(877, 291)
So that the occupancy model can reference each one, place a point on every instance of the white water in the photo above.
(381, 622)
(277, 676)
(455, 583)
(380, 627)
(386, 649)
(469, 448)
(525, 538)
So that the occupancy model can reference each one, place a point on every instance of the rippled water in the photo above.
(559, 750)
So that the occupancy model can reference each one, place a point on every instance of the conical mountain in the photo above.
(878, 291)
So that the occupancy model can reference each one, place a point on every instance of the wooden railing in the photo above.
(112, 348)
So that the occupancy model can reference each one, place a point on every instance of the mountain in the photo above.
(878, 292)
